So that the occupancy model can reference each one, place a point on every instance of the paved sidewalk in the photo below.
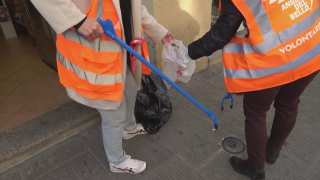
(186, 147)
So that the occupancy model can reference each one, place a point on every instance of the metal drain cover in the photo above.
(233, 145)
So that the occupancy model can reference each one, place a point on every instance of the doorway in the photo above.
(29, 83)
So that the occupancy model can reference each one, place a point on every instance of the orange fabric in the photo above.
(86, 58)
(93, 9)
(145, 54)
(111, 13)
(272, 58)
(89, 60)
(100, 63)
(251, 22)
(93, 91)
(289, 15)
(279, 55)
(246, 85)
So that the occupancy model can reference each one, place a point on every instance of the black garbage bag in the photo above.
(153, 107)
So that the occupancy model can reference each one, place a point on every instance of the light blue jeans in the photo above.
(114, 122)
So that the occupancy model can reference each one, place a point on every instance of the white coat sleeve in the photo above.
(151, 27)
(60, 14)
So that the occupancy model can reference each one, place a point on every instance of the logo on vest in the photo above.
(273, 1)
(300, 7)
(301, 40)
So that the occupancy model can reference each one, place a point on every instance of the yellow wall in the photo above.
(188, 20)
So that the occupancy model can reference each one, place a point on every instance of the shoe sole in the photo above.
(131, 136)
(126, 172)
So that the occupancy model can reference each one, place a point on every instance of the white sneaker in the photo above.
(130, 134)
(131, 166)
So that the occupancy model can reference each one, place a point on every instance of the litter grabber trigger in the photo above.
(108, 29)
(228, 96)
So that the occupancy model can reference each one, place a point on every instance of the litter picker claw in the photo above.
(228, 96)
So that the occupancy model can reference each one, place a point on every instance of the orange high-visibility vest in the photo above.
(94, 69)
(283, 46)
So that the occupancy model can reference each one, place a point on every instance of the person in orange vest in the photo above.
(97, 71)
(274, 62)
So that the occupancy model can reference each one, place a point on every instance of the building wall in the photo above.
(151, 47)
(187, 19)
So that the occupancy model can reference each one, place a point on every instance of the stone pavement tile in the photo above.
(7, 87)
(20, 118)
(286, 168)
(302, 145)
(307, 110)
(175, 168)
(206, 95)
(11, 175)
(20, 76)
(220, 168)
(44, 127)
(313, 89)
(199, 154)
(59, 174)
(48, 99)
(146, 149)
(82, 167)
(53, 158)
(13, 103)
(314, 171)
(64, 99)
(48, 75)
(184, 128)
(29, 88)
(4, 118)
(141, 147)
(2, 97)
(42, 102)
(213, 77)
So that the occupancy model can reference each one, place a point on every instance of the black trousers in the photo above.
(286, 100)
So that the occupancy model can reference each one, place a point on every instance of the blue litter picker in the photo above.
(109, 31)
(228, 96)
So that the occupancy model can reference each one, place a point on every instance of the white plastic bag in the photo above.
(177, 68)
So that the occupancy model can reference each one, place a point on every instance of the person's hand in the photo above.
(91, 29)
(168, 37)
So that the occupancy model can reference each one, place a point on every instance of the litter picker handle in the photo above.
(108, 29)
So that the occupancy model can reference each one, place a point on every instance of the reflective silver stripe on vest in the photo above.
(261, 17)
(100, 9)
(97, 45)
(238, 48)
(271, 39)
(89, 76)
(259, 73)
(274, 40)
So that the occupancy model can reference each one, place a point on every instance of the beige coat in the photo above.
(63, 14)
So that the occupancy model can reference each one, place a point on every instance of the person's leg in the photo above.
(130, 93)
(113, 122)
(255, 105)
(286, 105)
(131, 127)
